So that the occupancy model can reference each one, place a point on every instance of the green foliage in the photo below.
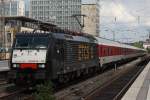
(148, 50)
(138, 44)
(44, 92)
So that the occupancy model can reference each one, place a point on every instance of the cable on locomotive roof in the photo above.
(66, 31)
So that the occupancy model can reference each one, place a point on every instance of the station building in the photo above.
(13, 7)
(59, 12)
(15, 24)
(91, 20)
(146, 44)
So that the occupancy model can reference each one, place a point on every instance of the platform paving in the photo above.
(140, 89)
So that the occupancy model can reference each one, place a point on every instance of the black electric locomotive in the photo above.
(59, 57)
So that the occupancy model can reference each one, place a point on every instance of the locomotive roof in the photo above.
(83, 38)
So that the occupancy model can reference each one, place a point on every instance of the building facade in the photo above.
(13, 7)
(9, 8)
(59, 12)
(91, 21)
(17, 24)
(14, 24)
(146, 44)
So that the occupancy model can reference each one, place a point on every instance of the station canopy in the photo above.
(42, 25)
(45, 26)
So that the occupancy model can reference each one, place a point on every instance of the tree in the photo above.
(138, 44)
(148, 50)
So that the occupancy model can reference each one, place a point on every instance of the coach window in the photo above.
(114, 50)
(103, 51)
(121, 50)
(117, 51)
(110, 51)
(107, 51)
(124, 51)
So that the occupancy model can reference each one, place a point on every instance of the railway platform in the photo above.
(140, 89)
(4, 66)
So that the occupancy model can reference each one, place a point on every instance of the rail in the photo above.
(118, 86)
(84, 89)
(126, 87)
(9, 95)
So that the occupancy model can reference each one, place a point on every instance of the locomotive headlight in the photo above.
(15, 65)
(41, 65)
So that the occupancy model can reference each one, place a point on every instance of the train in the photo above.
(61, 57)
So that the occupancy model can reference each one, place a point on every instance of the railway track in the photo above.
(12, 94)
(86, 89)
(76, 90)
(5, 86)
(3, 75)
(82, 79)
(115, 89)
(72, 83)
(3, 82)
(10, 91)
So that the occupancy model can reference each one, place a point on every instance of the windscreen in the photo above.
(31, 42)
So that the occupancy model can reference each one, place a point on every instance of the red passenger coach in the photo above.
(111, 51)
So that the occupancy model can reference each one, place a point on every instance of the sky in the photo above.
(128, 20)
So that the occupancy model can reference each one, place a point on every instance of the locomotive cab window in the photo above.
(32, 42)
(22, 42)
(40, 42)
